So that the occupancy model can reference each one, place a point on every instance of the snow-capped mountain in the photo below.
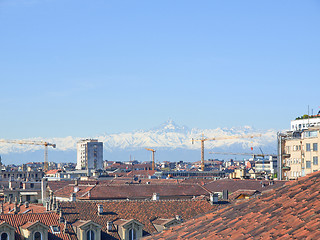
(167, 137)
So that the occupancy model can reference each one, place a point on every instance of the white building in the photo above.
(89, 154)
(305, 123)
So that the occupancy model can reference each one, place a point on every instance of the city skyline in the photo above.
(79, 68)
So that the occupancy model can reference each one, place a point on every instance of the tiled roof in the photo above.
(145, 191)
(55, 185)
(141, 211)
(26, 220)
(53, 171)
(161, 221)
(33, 208)
(141, 173)
(66, 191)
(233, 185)
(289, 212)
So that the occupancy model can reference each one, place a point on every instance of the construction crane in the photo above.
(45, 144)
(243, 154)
(203, 139)
(153, 151)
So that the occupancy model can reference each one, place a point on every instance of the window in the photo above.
(315, 160)
(90, 235)
(37, 236)
(310, 134)
(315, 147)
(308, 148)
(308, 164)
(132, 234)
(4, 236)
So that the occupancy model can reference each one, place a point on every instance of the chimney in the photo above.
(20, 199)
(61, 220)
(76, 189)
(225, 195)
(65, 229)
(179, 218)
(73, 197)
(213, 198)
(109, 226)
(47, 206)
(44, 184)
(100, 209)
(16, 210)
(10, 184)
(155, 197)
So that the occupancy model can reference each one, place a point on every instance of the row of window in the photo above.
(294, 161)
(298, 161)
(296, 174)
(314, 147)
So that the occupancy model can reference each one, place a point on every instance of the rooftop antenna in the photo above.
(308, 116)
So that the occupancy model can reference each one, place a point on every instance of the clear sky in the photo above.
(82, 68)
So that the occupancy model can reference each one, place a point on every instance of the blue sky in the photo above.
(82, 68)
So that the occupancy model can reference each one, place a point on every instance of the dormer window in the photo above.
(90, 235)
(55, 229)
(4, 236)
(37, 236)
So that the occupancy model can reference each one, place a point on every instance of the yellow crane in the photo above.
(45, 144)
(153, 151)
(203, 139)
(243, 154)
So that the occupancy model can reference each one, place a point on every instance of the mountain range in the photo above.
(171, 141)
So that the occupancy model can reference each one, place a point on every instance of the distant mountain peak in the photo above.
(170, 126)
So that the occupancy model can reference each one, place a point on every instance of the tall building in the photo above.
(89, 154)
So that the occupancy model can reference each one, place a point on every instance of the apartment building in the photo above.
(89, 154)
(302, 148)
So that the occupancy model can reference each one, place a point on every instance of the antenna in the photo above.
(308, 116)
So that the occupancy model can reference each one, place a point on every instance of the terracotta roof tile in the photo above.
(27, 220)
(142, 211)
(289, 212)
(144, 191)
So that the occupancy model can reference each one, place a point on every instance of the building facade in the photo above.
(303, 153)
(305, 123)
(89, 154)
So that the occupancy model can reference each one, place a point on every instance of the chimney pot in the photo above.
(155, 196)
(100, 209)
(109, 226)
